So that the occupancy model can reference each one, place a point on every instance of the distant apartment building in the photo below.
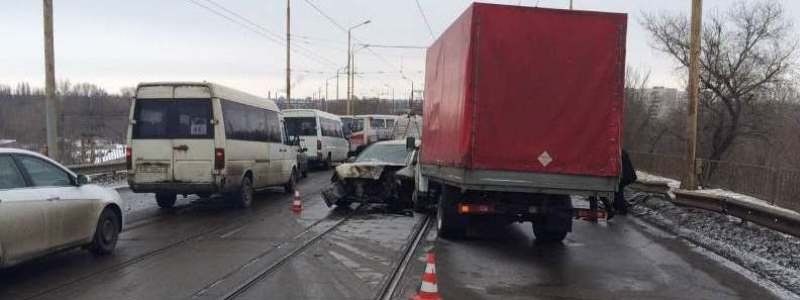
(664, 98)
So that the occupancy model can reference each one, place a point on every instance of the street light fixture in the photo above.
(349, 68)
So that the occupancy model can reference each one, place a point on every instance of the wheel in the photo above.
(106, 233)
(166, 200)
(244, 198)
(554, 226)
(548, 236)
(290, 186)
(449, 223)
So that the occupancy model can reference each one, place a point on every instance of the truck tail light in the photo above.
(319, 145)
(475, 209)
(128, 158)
(219, 159)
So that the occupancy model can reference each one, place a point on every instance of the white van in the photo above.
(319, 132)
(368, 129)
(203, 138)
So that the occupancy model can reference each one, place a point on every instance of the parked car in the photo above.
(46, 208)
(203, 138)
(379, 174)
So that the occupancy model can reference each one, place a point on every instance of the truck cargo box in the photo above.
(527, 90)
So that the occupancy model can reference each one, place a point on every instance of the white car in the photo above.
(46, 208)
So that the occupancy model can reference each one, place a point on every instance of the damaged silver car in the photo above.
(382, 173)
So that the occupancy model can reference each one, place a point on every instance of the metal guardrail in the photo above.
(112, 167)
(777, 185)
(766, 216)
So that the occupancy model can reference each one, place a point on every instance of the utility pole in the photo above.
(51, 103)
(570, 4)
(349, 56)
(337, 84)
(288, 54)
(411, 99)
(350, 67)
(690, 181)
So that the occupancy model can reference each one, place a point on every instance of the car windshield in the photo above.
(389, 153)
(301, 126)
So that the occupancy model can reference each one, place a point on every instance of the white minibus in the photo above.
(320, 132)
(367, 129)
(203, 138)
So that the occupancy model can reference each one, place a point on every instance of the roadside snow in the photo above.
(650, 178)
(675, 185)
(768, 253)
(748, 199)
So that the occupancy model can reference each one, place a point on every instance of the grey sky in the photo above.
(120, 43)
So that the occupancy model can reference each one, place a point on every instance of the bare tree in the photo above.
(746, 52)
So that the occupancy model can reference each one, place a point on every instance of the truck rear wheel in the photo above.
(548, 236)
(556, 223)
(449, 223)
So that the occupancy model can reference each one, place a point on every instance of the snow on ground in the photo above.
(768, 253)
(675, 184)
(650, 178)
(748, 199)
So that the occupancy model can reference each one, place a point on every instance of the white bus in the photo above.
(320, 132)
(367, 129)
(203, 138)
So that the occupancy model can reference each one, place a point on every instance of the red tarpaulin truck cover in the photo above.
(514, 88)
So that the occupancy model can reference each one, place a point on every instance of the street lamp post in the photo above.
(349, 68)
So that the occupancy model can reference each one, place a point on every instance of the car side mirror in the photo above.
(83, 180)
(351, 159)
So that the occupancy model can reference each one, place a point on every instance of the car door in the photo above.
(70, 213)
(23, 232)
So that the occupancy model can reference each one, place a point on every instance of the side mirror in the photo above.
(411, 143)
(83, 180)
(351, 159)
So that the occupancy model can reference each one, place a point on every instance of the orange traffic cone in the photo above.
(297, 203)
(429, 289)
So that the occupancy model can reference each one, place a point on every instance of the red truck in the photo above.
(523, 108)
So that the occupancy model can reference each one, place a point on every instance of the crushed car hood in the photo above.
(366, 170)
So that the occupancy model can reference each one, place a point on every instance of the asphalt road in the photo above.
(621, 259)
(206, 249)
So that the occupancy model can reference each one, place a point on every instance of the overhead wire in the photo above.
(425, 18)
(344, 29)
(278, 36)
(260, 30)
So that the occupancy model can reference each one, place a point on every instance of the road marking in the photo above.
(232, 232)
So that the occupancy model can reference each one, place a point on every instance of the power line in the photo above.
(394, 46)
(343, 29)
(260, 30)
(278, 37)
(424, 18)
(314, 6)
